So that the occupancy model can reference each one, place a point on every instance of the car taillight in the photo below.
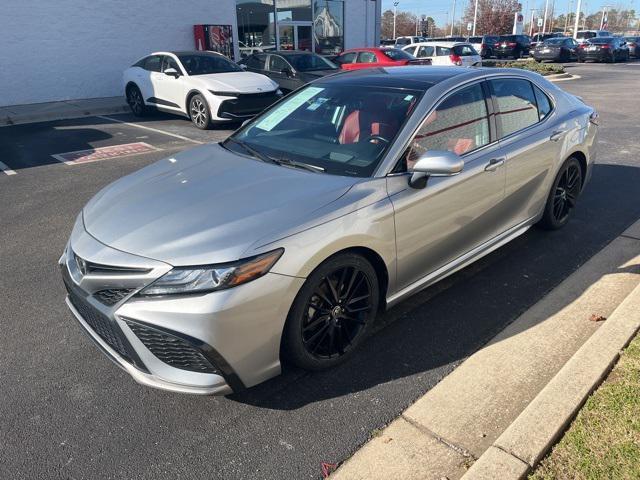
(455, 59)
(497, 44)
(512, 44)
(632, 44)
(605, 47)
(594, 118)
(484, 45)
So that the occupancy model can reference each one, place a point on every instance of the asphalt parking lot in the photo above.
(67, 412)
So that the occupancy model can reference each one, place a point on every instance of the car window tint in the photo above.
(367, 57)
(277, 63)
(544, 104)
(153, 63)
(425, 51)
(347, 57)
(442, 51)
(255, 62)
(169, 62)
(459, 124)
(517, 108)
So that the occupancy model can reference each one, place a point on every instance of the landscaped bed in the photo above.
(604, 439)
(541, 68)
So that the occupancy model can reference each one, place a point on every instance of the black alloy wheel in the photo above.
(332, 313)
(563, 196)
(135, 101)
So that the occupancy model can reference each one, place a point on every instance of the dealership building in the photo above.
(74, 49)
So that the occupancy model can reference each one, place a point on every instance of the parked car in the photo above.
(603, 49)
(539, 38)
(515, 46)
(634, 46)
(206, 87)
(557, 49)
(446, 53)
(484, 44)
(204, 272)
(359, 58)
(387, 43)
(584, 35)
(290, 69)
(402, 41)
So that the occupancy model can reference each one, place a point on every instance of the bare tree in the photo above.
(494, 16)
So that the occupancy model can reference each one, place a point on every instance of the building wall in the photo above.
(71, 49)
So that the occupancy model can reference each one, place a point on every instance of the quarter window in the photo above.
(517, 107)
(544, 104)
(425, 51)
(442, 51)
(459, 124)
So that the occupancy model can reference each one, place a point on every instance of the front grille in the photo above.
(247, 104)
(99, 323)
(86, 267)
(111, 296)
(172, 350)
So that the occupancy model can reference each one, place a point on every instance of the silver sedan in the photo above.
(203, 272)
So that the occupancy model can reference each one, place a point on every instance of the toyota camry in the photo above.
(205, 271)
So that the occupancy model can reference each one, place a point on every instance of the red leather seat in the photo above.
(362, 124)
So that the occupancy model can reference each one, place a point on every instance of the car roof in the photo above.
(438, 44)
(286, 53)
(368, 49)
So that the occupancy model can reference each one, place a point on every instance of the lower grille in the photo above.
(172, 350)
(111, 296)
(246, 105)
(100, 324)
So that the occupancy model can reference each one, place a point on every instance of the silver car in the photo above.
(203, 272)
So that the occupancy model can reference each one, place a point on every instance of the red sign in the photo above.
(104, 153)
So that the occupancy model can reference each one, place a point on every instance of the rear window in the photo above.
(508, 38)
(584, 35)
(395, 54)
(403, 41)
(555, 41)
(464, 50)
(601, 41)
(490, 39)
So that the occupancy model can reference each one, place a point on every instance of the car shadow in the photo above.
(436, 329)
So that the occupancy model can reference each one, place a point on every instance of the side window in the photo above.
(442, 51)
(277, 64)
(153, 63)
(544, 104)
(347, 57)
(256, 62)
(459, 124)
(517, 108)
(367, 57)
(169, 62)
(425, 51)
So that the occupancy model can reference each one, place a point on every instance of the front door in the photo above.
(451, 215)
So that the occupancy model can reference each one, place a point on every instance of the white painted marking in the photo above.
(5, 168)
(151, 129)
(104, 153)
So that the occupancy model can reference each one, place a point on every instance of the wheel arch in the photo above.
(130, 84)
(190, 95)
(582, 160)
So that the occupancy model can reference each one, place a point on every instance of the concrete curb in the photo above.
(63, 110)
(562, 77)
(524, 443)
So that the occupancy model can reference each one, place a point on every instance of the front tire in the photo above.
(332, 313)
(135, 101)
(199, 112)
(563, 195)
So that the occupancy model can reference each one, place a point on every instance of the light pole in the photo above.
(395, 6)
(604, 15)
(566, 22)
(475, 18)
(453, 17)
(531, 22)
(577, 23)
(544, 22)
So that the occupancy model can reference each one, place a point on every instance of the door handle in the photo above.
(557, 135)
(494, 164)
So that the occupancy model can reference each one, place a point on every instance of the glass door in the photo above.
(304, 40)
(286, 37)
(295, 36)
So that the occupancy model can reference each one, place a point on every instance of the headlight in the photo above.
(213, 277)
(225, 94)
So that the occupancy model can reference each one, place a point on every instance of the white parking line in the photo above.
(5, 168)
(151, 129)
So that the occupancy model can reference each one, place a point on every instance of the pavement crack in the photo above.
(513, 455)
(462, 451)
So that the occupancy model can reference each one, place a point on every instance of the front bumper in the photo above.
(240, 107)
(213, 343)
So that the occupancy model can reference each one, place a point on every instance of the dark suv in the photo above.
(515, 46)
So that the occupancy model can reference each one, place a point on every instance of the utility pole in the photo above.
(566, 21)
(531, 23)
(395, 6)
(604, 15)
(544, 22)
(475, 18)
(577, 23)
(453, 17)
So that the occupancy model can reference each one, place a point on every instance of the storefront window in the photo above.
(328, 26)
(293, 10)
(256, 26)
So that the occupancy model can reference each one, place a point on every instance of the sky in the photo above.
(438, 8)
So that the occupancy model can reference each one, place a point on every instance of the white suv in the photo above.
(446, 53)
(584, 35)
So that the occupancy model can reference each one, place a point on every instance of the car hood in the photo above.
(241, 82)
(206, 205)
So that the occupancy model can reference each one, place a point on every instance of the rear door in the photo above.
(145, 80)
(442, 56)
(282, 72)
(451, 215)
(531, 134)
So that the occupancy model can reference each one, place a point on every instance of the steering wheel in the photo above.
(377, 137)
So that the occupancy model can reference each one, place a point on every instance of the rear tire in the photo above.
(199, 112)
(332, 313)
(135, 101)
(563, 195)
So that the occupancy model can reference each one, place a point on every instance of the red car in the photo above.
(357, 58)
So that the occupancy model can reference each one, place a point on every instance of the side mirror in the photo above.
(242, 66)
(172, 72)
(287, 71)
(435, 163)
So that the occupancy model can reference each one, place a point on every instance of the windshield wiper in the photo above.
(293, 163)
(254, 153)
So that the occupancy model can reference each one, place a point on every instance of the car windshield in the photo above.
(554, 41)
(339, 129)
(308, 62)
(396, 54)
(585, 35)
(206, 63)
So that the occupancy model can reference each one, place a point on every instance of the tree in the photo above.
(494, 16)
